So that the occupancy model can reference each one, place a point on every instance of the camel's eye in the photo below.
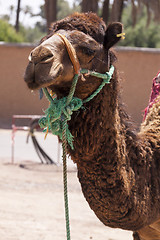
(88, 51)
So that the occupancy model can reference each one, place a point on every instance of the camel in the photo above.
(118, 167)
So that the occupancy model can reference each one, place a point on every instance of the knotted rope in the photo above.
(63, 108)
(58, 110)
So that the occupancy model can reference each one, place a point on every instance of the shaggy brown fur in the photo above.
(86, 23)
(118, 168)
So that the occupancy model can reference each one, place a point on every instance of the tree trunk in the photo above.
(17, 16)
(91, 5)
(105, 11)
(50, 11)
(117, 9)
(155, 7)
(134, 13)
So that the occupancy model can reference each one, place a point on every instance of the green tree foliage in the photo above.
(140, 35)
(8, 33)
(63, 9)
(32, 35)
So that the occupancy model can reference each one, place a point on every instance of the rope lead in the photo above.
(64, 146)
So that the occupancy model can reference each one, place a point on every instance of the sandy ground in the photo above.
(31, 198)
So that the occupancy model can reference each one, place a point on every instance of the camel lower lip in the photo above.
(33, 85)
(37, 85)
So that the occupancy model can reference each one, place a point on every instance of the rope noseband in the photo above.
(71, 52)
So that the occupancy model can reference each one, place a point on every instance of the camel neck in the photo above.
(110, 157)
(98, 125)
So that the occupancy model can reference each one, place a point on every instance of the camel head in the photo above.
(50, 65)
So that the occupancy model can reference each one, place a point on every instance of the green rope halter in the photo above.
(57, 115)
(63, 108)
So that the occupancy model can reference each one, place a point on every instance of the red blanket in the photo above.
(154, 93)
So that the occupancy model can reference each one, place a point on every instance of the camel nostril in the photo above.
(40, 55)
(47, 58)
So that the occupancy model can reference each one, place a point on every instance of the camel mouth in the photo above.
(36, 85)
(33, 85)
(36, 79)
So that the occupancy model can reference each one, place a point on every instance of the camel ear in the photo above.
(113, 34)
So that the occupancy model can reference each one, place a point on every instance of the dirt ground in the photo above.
(31, 199)
(32, 207)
